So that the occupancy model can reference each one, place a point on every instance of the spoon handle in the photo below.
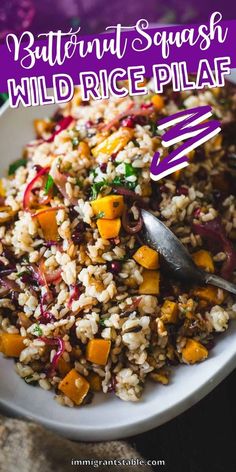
(219, 282)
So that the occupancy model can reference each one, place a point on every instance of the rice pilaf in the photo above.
(85, 304)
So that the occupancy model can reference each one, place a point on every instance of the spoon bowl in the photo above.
(176, 255)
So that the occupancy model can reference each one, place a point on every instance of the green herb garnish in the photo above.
(37, 330)
(15, 165)
(49, 184)
(153, 128)
(131, 185)
(96, 188)
(102, 322)
(117, 181)
(130, 170)
(93, 172)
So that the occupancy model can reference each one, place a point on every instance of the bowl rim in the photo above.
(133, 426)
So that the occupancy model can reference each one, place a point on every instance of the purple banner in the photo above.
(71, 53)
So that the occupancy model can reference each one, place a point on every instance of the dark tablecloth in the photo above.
(203, 439)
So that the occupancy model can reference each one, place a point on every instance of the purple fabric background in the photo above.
(95, 15)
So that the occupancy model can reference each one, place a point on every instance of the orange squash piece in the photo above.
(151, 283)
(169, 312)
(109, 228)
(63, 367)
(98, 350)
(109, 207)
(161, 377)
(84, 149)
(48, 223)
(147, 257)
(194, 352)
(114, 143)
(74, 386)
(158, 102)
(210, 294)
(43, 126)
(11, 345)
(95, 382)
(204, 260)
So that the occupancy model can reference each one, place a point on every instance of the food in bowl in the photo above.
(86, 305)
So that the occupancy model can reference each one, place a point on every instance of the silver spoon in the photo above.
(179, 260)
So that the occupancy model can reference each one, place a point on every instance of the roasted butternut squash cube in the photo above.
(147, 257)
(151, 283)
(48, 223)
(160, 377)
(84, 149)
(193, 352)
(109, 228)
(74, 386)
(158, 102)
(95, 382)
(203, 259)
(43, 126)
(11, 345)
(114, 143)
(210, 294)
(109, 207)
(169, 312)
(97, 351)
(63, 367)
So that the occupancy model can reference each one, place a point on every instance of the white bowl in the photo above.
(106, 417)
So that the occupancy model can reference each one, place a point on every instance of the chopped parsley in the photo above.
(96, 188)
(15, 165)
(153, 128)
(37, 330)
(102, 322)
(131, 185)
(49, 184)
(120, 181)
(93, 172)
(117, 181)
(130, 170)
